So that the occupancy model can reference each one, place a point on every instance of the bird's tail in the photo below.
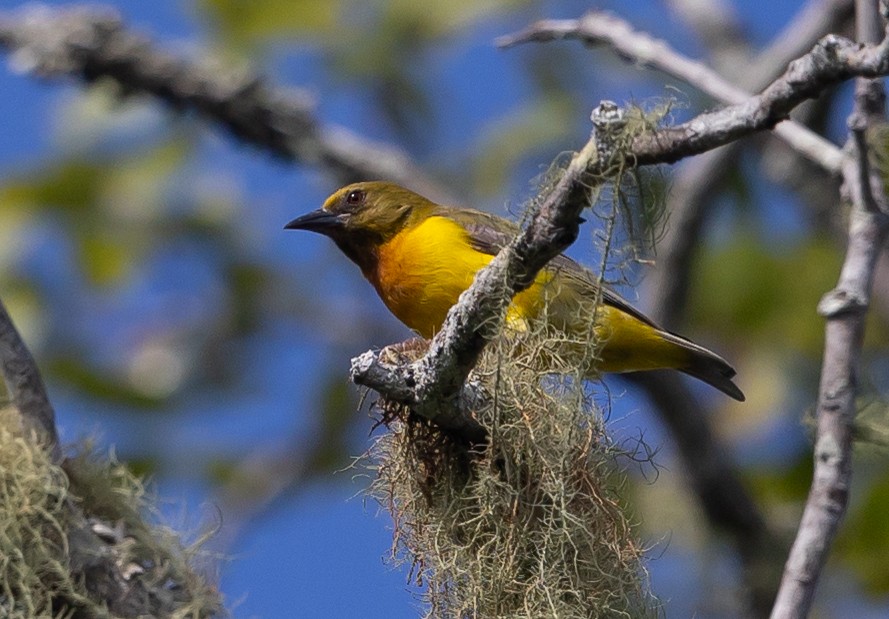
(707, 366)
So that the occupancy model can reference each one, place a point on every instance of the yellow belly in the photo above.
(421, 273)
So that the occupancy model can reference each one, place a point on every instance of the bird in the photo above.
(419, 256)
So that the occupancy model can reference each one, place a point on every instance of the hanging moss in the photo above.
(528, 525)
(77, 541)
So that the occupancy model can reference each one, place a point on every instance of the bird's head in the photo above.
(362, 216)
(372, 212)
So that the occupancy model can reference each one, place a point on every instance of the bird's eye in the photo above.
(355, 197)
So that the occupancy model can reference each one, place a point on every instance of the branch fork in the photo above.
(435, 386)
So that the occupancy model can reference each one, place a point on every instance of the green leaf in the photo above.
(105, 258)
(782, 485)
(107, 206)
(72, 186)
(248, 23)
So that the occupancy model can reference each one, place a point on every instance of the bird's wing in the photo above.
(489, 234)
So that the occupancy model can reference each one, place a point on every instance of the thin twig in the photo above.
(690, 197)
(709, 464)
(802, 33)
(833, 60)
(845, 309)
(815, 19)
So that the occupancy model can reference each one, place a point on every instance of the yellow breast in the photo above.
(422, 271)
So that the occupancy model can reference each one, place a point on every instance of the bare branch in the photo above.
(845, 309)
(597, 28)
(724, 36)
(90, 555)
(834, 59)
(92, 43)
(801, 34)
(725, 500)
(693, 188)
(25, 386)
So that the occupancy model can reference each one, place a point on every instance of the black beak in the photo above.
(317, 221)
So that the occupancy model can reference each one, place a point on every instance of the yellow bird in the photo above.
(420, 256)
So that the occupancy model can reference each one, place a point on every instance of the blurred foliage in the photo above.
(100, 385)
(105, 202)
(383, 47)
(770, 294)
(249, 23)
(537, 127)
(256, 23)
(337, 413)
(782, 486)
(116, 212)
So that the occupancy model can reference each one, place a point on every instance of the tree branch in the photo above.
(712, 476)
(92, 43)
(833, 60)
(815, 19)
(434, 386)
(438, 377)
(598, 28)
(25, 386)
(693, 188)
(845, 309)
(708, 463)
(93, 544)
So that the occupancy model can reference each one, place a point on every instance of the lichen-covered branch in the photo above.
(25, 386)
(73, 536)
(833, 60)
(708, 463)
(434, 386)
(599, 28)
(92, 43)
(437, 379)
(845, 308)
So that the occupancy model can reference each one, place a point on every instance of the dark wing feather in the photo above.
(489, 233)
